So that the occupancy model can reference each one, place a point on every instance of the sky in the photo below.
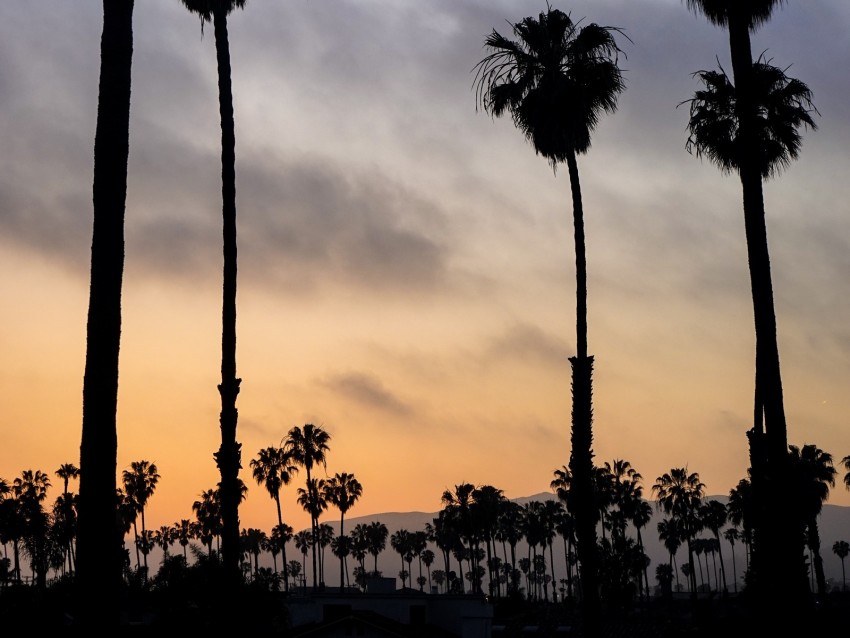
(406, 262)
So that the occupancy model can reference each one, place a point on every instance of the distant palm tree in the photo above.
(732, 536)
(813, 474)
(556, 80)
(208, 513)
(228, 457)
(308, 446)
(312, 500)
(842, 549)
(273, 468)
(713, 515)
(378, 534)
(846, 463)
(303, 542)
(140, 482)
(342, 491)
(761, 111)
(66, 472)
(402, 542)
(670, 535)
(679, 494)
(183, 533)
(99, 556)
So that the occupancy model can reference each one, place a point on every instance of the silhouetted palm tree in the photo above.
(342, 491)
(556, 80)
(308, 446)
(273, 468)
(312, 500)
(66, 472)
(713, 515)
(303, 542)
(761, 112)
(679, 494)
(378, 534)
(846, 463)
(208, 513)
(139, 485)
(228, 457)
(814, 474)
(842, 549)
(402, 542)
(99, 554)
(182, 534)
(732, 536)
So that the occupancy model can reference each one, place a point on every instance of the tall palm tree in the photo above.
(732, 535)
(842, 549)
(99, 559)
(140, 482)
(751, 149)
(308, 446)
(228, 457)
(343, 491)
(556, 80)
(182, 531)
(814, 474)
(312, 500)
(66, 472)
(679, 494)
(273, 468)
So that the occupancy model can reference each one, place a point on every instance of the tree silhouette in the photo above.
(99, 554)
(679, 494)
(842, 549)
(342, 491)
(139, 485)
(556, 80)
(273, 468)
(308, 446)
(66, 472)
(813, 476)
(762, 110)
(228, 457)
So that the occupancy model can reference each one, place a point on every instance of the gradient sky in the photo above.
(406, 273)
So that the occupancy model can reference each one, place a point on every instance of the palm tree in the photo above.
(814, 475)
(312, 501)
(556, 80)
(303, 542)
(30, 491)
(139, 485)
(273, 468)
(760, 139)
(402, 542)
(713, 515)
(182, 534)
(66, 472)
(228, 457)
(308, 446)
(842, 549)
(377, 534)
(342, 491)
(732, 536)
(208, 514)
(679, 494)
(99, 559)
(846, 463)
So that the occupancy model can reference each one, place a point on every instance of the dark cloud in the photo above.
(366, 389)
(529, 343)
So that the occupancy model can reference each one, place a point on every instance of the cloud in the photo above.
(529, 343)
(366, 389)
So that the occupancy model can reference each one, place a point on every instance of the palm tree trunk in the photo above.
(814, 544)
(581, 457)
(99, 556)
(778, 573)
(228, 457)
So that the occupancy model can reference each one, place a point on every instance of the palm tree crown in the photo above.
(555, 80)
(783, 105)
